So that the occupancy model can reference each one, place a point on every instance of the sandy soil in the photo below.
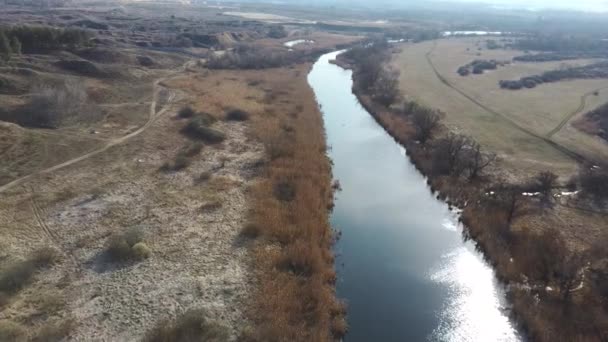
(192, 228)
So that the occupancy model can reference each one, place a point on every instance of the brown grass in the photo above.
(191, 326)
(295, 298)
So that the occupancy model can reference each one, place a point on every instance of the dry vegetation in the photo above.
(294, 297)
(141, 171)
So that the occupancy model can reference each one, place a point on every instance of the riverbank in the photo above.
(292, 254)
(404, 246)
(528, 257)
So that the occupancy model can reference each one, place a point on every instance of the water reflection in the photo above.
(407, 274)
(472, 312)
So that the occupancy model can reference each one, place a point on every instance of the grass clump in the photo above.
(198, 128)
(20, 273)
(203, 177)
(191, 326)
(186, 112)
(56, 331)
(182, 160)
(237, 115)
(127, 246)
(251, 231)
(11, 331)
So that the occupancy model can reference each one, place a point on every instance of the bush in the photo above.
(203, 177)
(141, 251)
(237, 115)
(197, 129)
(11, 331)
(192, 150)
(56, 331)
(145, 61)
(20, 273)
(191, 326)
(425, 121)
(277, 32)
(118, 249)
(52, 105)
(186, 112)
(84, 68)
(285, 191)
(594, 184)
(122, 247)
(181, 162)
(251, 231)
(44, 257)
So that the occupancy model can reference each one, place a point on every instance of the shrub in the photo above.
(251, 231)
(186, 112)
(16, 276)
(277, 32)
(594, 183)
(79, 67)
(203, 177)
(181, 162)
(192, 149)
(463, 71)
(141, 251)
(118, 249)
(44, 257)
(191, 326)
(11, 331)
(133, 236)
(197, 129)
(145, 61)
(425, 121)
(285, 191)
(20, 273)
(122, 247)
(237, 115)
(56, 331)
(51, 105)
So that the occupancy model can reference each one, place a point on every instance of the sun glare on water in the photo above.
(474, 311)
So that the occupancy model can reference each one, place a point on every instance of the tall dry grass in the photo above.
(295, 299)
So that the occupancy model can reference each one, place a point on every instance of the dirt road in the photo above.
(152, 117)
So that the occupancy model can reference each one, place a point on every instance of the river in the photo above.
(403, 267)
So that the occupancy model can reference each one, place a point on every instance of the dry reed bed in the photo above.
(295, 297)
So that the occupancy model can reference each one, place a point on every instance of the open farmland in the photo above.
(515, 124)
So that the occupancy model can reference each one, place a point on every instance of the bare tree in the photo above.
(425, 121)
(386, 87)
(509, 198)
(448, 152)
(542, 255)
(546, 181)
(476, 161)
(594, 183)
(52, 104)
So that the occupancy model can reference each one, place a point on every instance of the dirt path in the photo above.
(562, 149)
(152, 117)
(578, 110)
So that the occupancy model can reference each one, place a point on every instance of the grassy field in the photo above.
(515, 124)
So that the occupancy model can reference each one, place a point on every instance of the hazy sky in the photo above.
(582, 5)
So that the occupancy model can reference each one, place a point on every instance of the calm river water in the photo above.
(403, 266)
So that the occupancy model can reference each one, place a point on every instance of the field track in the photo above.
(153, 115)
(562, 149)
